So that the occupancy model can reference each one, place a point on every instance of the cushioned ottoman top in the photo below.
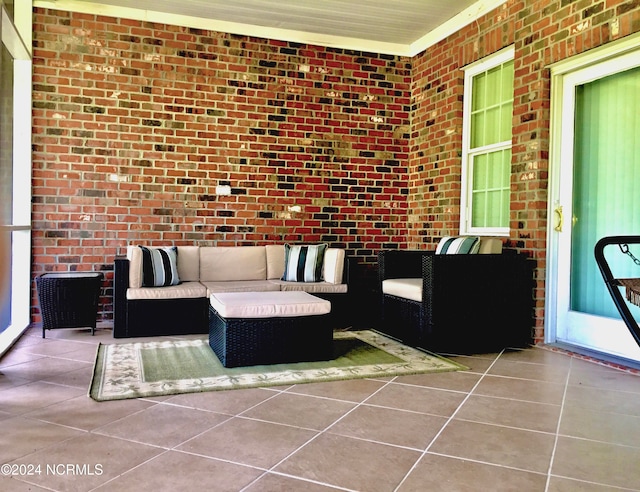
(279, 304)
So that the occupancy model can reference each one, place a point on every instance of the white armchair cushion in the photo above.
(407, 288)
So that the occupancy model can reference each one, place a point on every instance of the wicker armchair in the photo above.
(468, 303)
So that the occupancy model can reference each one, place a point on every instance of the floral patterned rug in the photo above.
(146, 369)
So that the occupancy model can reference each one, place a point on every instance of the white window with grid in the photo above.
(486, 148)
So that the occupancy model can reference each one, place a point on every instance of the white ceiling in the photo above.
(403, 27)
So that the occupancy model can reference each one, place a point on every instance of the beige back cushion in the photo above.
(219, 263)
(275, 261)
(188, 263)
(490, 245)
(333, 266)
(134, 256)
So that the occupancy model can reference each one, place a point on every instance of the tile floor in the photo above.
(531, 420)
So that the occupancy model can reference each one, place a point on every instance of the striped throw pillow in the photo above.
(303, 263)
(460, 245)
(159, 266)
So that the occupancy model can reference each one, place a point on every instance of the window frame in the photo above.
(16, 36)
(468, 154)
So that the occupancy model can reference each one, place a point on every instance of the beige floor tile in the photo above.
(231, 402)
(12, 380)
(443, 473)
(104, 330)
(527, 370)
(538, 356)
(511, 413)
(163, 425)
(476, 363)
(515, 448)
(17, 356)
(604, 400)
(85, 353)
(305, 411)
(86, 414)
(29, 338)
(557, 484)
(587, 374)
(521, 389)
(94, 460)
(75, 334)
(390, 426)
(597, 462)
(456, 381)
(20, 437)
(17, 485)
(56, 348)
(350, 463)
(272, 482)
(614, 428)
(180, 471)
(33, 396)
(509, 420)
(355, 390)
(418, 399)
(249, 442)
(44, 367)
(79, 378)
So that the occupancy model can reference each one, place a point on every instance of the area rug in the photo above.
(146, 369)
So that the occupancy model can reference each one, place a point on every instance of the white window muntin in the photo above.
(470, 154)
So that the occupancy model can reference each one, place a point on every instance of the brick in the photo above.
(367, 144)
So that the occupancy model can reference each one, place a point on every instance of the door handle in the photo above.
(560, 217)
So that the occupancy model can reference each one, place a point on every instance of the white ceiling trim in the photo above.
(464, 18)
(467, 16)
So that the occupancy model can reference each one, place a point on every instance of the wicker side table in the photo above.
(69, 300)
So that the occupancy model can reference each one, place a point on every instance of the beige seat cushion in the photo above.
(311, 287)
(268, 304)
(407, 288)
(181, 291)
(241, 286)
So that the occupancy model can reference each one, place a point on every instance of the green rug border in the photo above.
(166, 389)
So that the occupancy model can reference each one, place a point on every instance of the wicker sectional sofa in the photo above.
(203, 270)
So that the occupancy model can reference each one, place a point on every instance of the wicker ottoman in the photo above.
(252, 328)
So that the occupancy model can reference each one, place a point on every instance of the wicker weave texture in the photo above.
(471, 303)
(247, 342)
(69, 301)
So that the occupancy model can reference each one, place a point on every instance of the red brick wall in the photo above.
(543, 32)
(135, 124)
(367, 145)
